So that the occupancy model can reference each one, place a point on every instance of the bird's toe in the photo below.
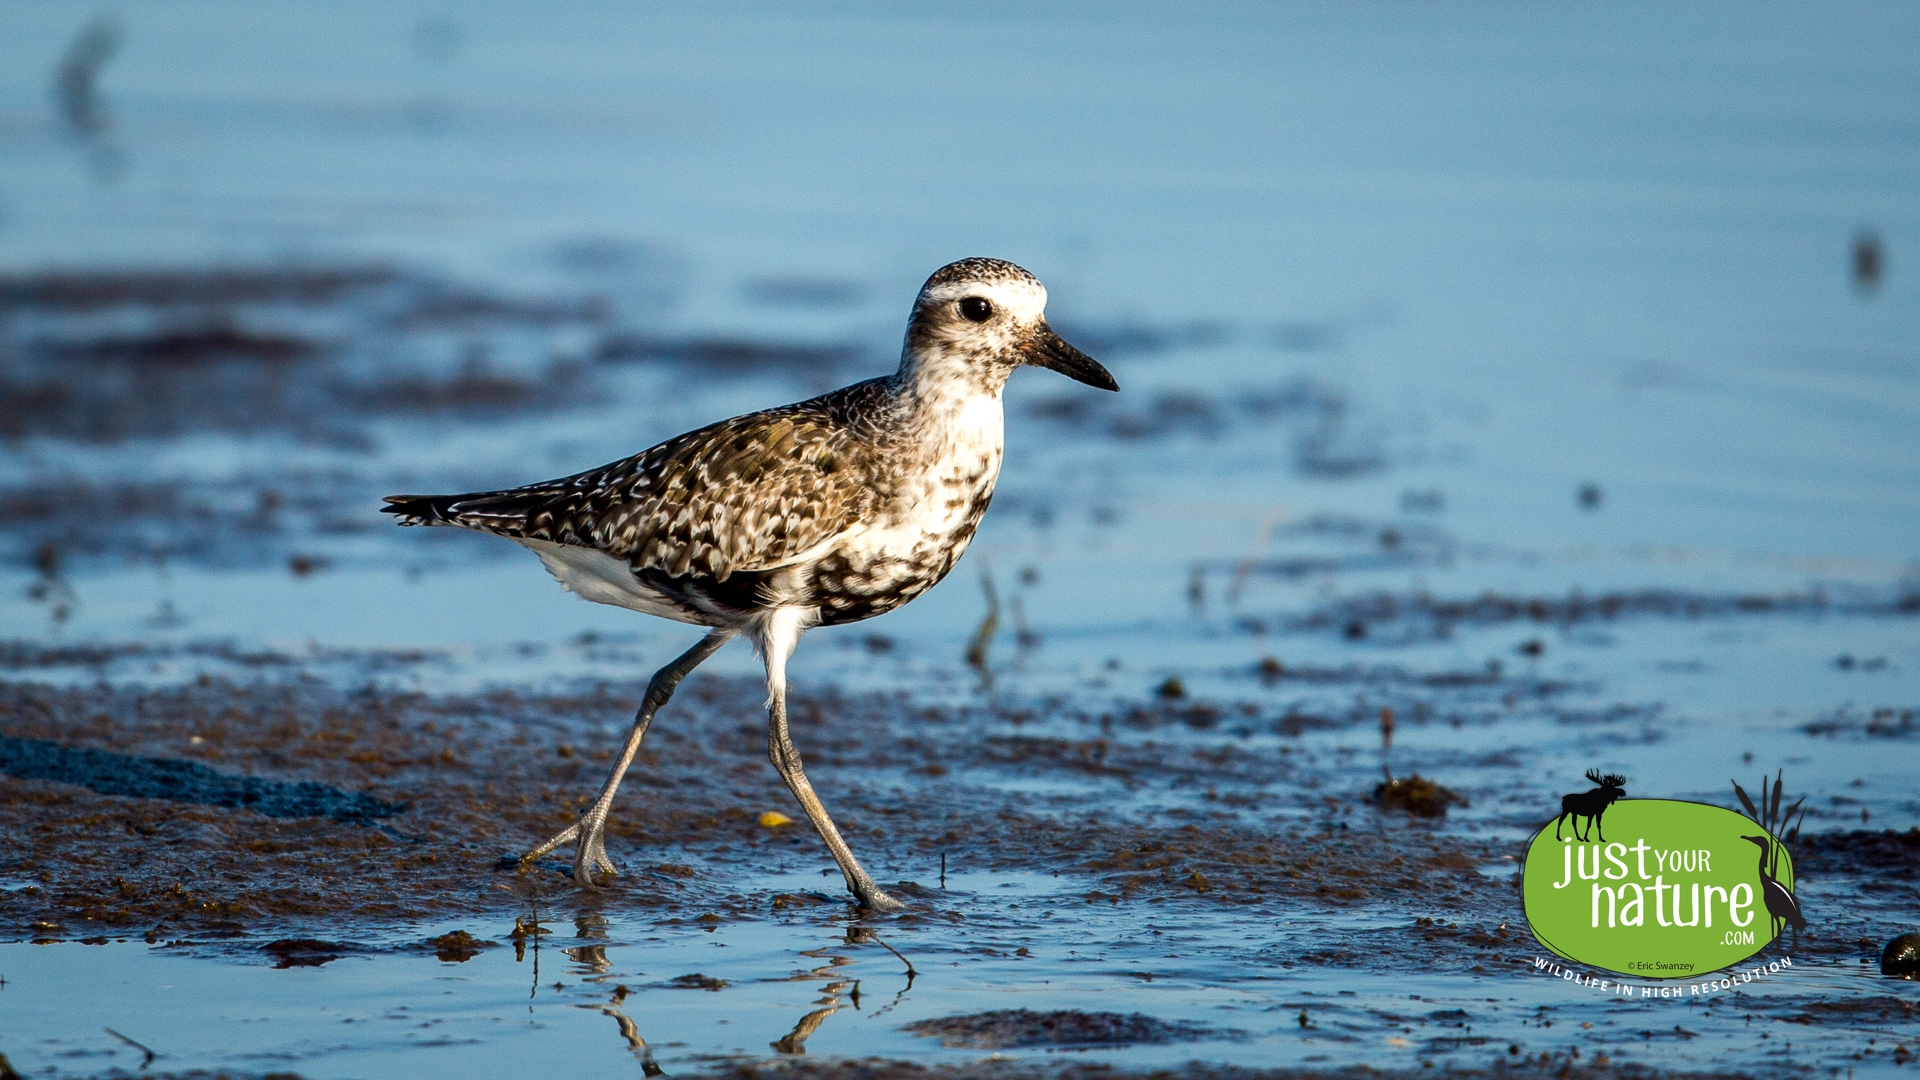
(879, 902)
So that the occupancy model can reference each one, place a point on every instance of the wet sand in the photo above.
(433, 791)
(379, 827)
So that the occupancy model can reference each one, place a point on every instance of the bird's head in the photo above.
(978, 319)
(1761, 840)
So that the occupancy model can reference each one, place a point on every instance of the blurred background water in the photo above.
(1412, 304)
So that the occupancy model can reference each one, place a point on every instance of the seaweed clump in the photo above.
(1417, 795)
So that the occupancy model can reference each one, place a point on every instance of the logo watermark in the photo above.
(1680, 890)
(1720, 982)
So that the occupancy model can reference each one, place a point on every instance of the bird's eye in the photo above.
(976, 309)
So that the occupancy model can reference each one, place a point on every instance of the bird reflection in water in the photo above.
(628, 1030)
(833, 998)
(838, 993)
(591, 957)
(593, 960)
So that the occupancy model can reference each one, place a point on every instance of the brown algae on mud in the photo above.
(1010, 1028)
(1417, 795)
(310, 352)
(1408, 618)
(415, 799)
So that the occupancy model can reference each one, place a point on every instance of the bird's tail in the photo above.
(422, 509)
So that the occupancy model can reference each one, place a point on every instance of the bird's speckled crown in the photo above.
(989, 271)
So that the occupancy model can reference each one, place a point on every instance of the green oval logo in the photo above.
(1675, 890)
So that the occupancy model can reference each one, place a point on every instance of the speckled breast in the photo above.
(854, 584)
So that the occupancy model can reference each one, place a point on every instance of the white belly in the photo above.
(599, 577)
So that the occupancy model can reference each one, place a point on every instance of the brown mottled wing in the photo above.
(749, 493)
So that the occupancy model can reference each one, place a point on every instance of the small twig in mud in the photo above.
(137, 1046)
(860, 935)
(982, 639)
(1024, 635)
(1386, 744)
(1241, 572)
(943, 869)
(51, 587)
(529, 929)
(76, 80)
(1197, 589)
(76, 90)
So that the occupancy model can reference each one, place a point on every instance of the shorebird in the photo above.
(824, 512)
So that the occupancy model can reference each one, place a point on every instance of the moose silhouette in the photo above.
(1590, 804)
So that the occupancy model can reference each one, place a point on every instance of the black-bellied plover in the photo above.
(825, 512)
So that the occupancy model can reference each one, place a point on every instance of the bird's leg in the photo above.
(777, 634)
(588, 835)
(786, 758)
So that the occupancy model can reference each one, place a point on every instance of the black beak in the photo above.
(1046, 350)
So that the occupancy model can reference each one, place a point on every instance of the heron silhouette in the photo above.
(1778, 898)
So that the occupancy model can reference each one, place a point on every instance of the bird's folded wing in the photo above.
(750, 493)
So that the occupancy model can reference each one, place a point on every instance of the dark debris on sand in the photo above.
(478, 777)
(1416, 795)
(1009, 1028)
(172, 780)
(311, 352)
(338, 357)
(1401, 619)
(414, 805)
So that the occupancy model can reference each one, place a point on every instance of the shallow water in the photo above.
(1412, 309)
(796, 985)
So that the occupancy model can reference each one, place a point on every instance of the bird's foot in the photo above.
(875, 900)
(588, 837)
